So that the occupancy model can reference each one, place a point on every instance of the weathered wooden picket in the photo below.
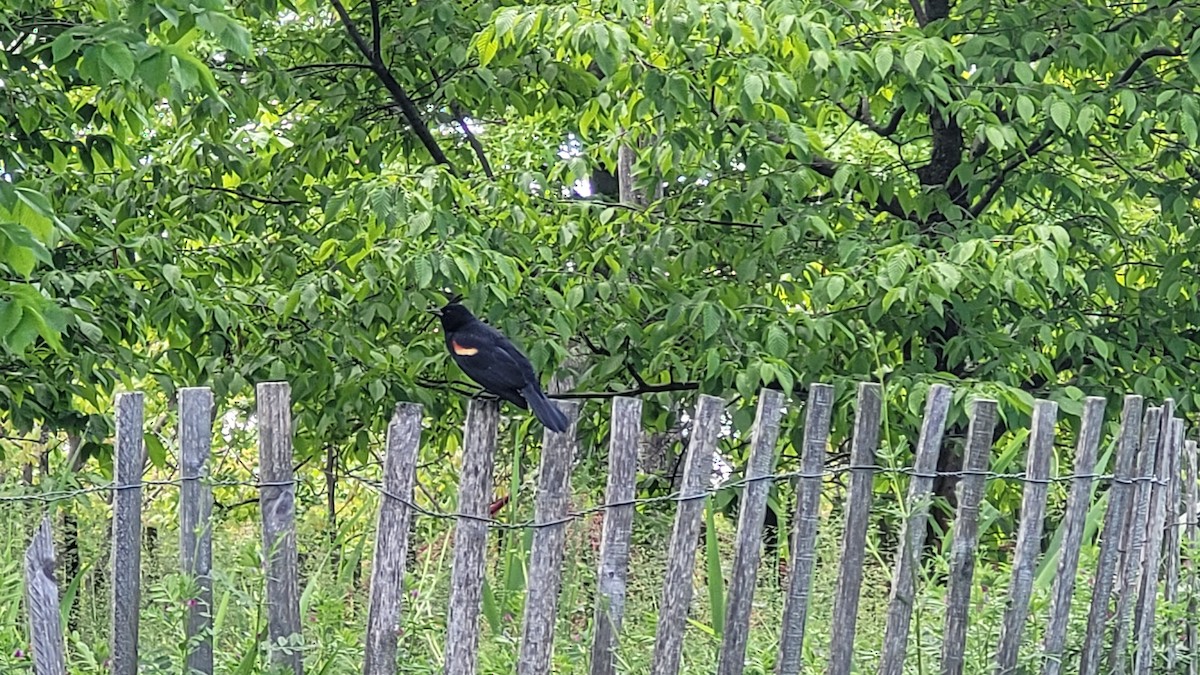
(1149, 521)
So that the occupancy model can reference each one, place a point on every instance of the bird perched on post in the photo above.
(494, 362)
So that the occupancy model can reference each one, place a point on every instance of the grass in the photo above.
(336, 565)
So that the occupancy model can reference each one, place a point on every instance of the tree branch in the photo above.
(918, 12)
(473, 141)
(1141, 60)
(1044, 138)
(254, 198)
(447, 384)
(376, 32)
(325, 66)
(648, 389)
(389, 82)
(828, 168)
(863, 116)
(461, 118)
(1039, 144)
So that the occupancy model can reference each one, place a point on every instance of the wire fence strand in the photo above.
(57, 496)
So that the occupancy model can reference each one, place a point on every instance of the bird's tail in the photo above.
(545, 409)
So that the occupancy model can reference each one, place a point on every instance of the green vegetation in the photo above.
(997, 196)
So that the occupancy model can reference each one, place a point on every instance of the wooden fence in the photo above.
(1153, 484)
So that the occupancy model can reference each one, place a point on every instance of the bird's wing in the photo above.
(519, 358)
(485, 354)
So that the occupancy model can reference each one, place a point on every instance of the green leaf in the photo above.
(913, 59)
(1023, 72)
(335, 204)
(172, 274)
(21, 260)
(574, 297)
(834, 287)
(487, 46)
(63, 46)
(1025, 108)
(155, 450)
(1085, 120)
(327, 248)
(424, 271)
(884, 58)
(1128, 101)
(419, 222)
(1187, 123)
(754, 87)
(23, 332)
(712, 320)
(995, 136)
(10, 314)
(119, 59)
(777, 342)
(786, 380)
(1060, 112)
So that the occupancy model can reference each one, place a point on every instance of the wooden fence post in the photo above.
(1144, 617)
(1189, 493)
(195, 515)
(863, 446)
(277, 501)
(1029, 534)
(1172, 538)
(681, 559)
(549, 539)
(625, 433)
(391, 540)
(127, 534)
(1073, 523)
(1121, 494)
(817, 415)
(1135, 537)
(748, 547)
(964, 538)
(470, 536)
(912, 537)
(41, 603)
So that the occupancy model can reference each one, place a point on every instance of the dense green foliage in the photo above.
(997, 195)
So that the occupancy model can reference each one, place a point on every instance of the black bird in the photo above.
(495, 363)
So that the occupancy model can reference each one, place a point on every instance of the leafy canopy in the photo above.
(1000, 195)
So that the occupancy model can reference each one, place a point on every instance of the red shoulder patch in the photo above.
(463, 351)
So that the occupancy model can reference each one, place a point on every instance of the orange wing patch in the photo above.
(463, 351)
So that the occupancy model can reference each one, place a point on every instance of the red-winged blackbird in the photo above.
(494, 362)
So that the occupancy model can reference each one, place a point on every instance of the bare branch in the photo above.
(647, 389)
(304, 67)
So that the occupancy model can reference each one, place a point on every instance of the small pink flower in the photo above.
(191, 603)
(19, 654)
